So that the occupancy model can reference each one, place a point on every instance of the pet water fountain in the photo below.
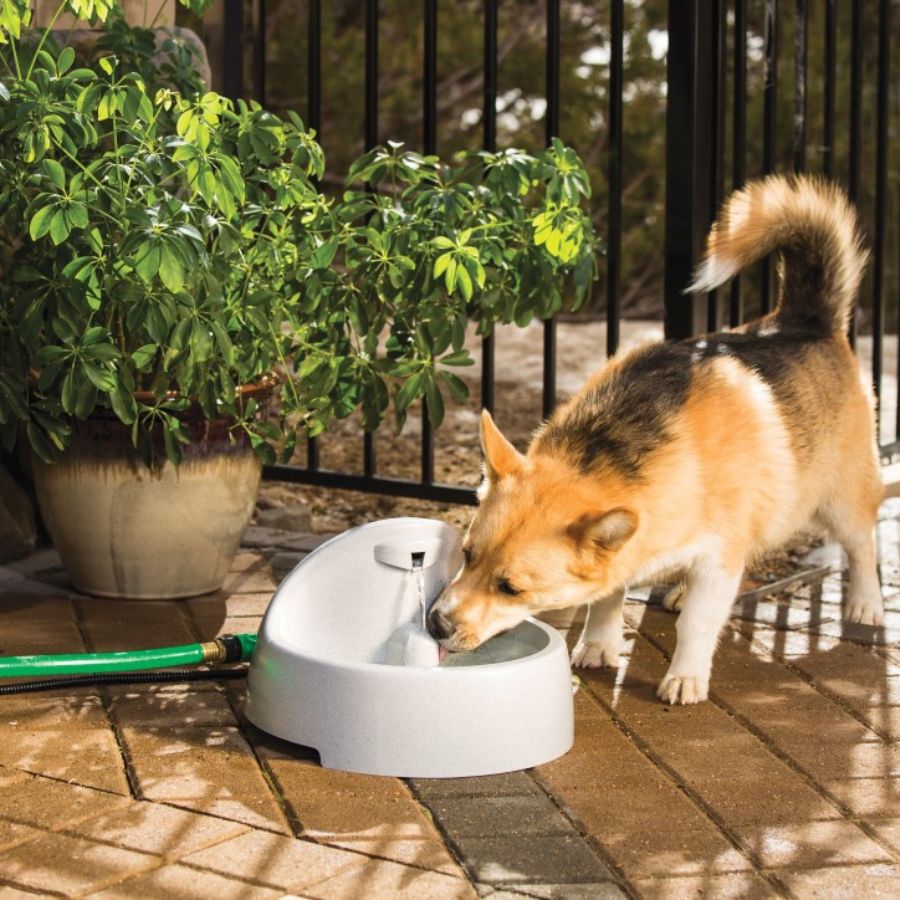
(344, 665)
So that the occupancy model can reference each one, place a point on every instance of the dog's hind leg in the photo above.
(601, 640)
(710, 594)
(853, 525)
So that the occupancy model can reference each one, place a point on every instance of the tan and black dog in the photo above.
(691, 457)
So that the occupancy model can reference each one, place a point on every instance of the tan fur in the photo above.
(750, 454)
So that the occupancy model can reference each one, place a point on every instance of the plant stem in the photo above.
(43, 39)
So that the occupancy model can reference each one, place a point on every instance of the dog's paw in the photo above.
(864, 609)
(682, 689)
(595, 655)
(674, 599)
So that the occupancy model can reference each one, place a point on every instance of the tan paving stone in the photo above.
(231, 605)
(69, 865)
(48, 803)
(176, 705)
(133, 624)
(158, 829)
(877, 798)
(716, 758)
(380, 880)
(210, 770)
(845, 882)
(87, 756)
(79, 708)
(254, 579)
(365, 813)
(30, 624)
(274, 861)
(12, 834)
(641, 819)
(814, 844)
(177, 882)
(743, 885)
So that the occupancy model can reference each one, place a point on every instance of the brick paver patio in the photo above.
(787, 783)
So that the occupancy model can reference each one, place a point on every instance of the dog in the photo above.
(691, 457)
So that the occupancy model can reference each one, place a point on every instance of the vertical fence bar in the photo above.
(259, 53)
(801, 30)
(233, 49)
(614, 222)
(881, 190)
(489, 121)
(314, 121)
(717, 135)
(830, 77)
(429, 145)
(370, 138)
(552, 131)
(855, 164)
(688, 162)
(770, 131)
(738, 138)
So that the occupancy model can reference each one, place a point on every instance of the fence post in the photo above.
(233, 49)
(690, 122)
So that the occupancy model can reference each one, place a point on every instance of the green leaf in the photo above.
(39, 443)
(65, 60)
(78, 215)
(408, 393)
(148, 260)
(59, 227)
(143, 356)
(441, 263)
(170, 271)
(459, 390)
(107, 63)
(434, 402)
(464, 280)
(458, 358)
(102, 379)
(55, 172)
(324, 254)
(40, 222)
(123, 404)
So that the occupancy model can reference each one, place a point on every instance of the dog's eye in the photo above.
(467, 555)
(505, 587)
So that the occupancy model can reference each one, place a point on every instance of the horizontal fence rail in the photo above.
(706, 154)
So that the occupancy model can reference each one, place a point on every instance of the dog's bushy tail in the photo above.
(813, 226)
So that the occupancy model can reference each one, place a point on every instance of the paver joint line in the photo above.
(704, 808)
(775, 750)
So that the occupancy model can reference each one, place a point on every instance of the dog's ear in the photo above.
(500, 457)
(607, 530)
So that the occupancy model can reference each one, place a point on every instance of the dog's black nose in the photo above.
(438, 626)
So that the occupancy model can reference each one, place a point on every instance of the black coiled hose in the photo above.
(164, 676)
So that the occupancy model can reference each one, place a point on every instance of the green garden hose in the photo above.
(228, 649)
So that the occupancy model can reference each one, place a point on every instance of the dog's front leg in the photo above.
(601, 640)
(710, 594)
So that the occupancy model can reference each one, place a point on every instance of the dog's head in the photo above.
(544, 537)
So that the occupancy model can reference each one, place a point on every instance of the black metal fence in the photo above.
(707, 91)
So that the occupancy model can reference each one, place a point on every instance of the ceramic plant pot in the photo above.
(123, 530)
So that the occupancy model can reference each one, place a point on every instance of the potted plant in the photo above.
(163, 254)
(148, 248)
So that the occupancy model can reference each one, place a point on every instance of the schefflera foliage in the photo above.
(160, 250)
(422, 248)
(149, 243)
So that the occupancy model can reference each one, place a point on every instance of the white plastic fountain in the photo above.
(344, 665)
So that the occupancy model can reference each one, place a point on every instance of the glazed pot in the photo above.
(124, 530)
